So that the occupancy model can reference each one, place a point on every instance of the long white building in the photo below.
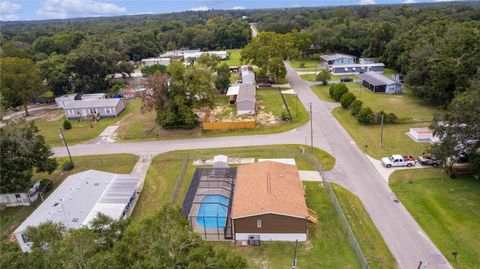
(79, 199)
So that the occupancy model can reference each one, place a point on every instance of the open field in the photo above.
(138, 126)
(115, 163)
(80, 132)
(308, 63)
(328, 246)
(447, 209)
(234, 58)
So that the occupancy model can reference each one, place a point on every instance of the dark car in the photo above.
(264, 85)
(346, 80)
(428, 160)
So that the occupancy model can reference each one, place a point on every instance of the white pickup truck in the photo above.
(398, 161)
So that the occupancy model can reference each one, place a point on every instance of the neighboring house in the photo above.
(154, 61)
(424, 134)
(222, 54)
(269, 203)
(20, 198)
(79, 199)
(247, 74)
(103, 107)
(350, 69)
(176, 54)
(378, 83)
(67, 98)
(128, 93)
(93, 96)
(331, 59)
(246, 99)
(368, 60)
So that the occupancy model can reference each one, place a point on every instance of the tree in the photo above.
(276, 69)
(20, 80)
(365, 116)
(208, 60)
(54, 70)
(222, 82)
(22, 149)
(356, 106)
(347, 99)
(323, 76)
(152, 69)
(459, 130)
(339, 91)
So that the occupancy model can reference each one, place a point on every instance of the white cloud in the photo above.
(295, 5)
(202, 8)
(444, 0)
(9, 10)
(60, 9)
(367, 2)
(409, 2)
(238, 8)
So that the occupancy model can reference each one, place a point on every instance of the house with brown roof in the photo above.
(269, 203)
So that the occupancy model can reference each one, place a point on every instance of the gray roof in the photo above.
(92, 103)
(336, 56)
(246, 92)
(83, 195)
(376, 79)
(356, 65)
(248, 75)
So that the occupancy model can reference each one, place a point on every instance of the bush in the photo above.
(356, 106)
(46, 185)
(67, 125)
(284, 116)
(392, 118)
(365, 116)
(67, 166)
(302, 64)
(378, 117)
(340, 90)
(323, 76)
(347, 99)
(331, 90)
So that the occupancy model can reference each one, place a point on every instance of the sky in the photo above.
(61, 9)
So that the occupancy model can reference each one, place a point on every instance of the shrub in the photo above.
(67, 125)
(347, 99)
(378, 117)
(46, 185)
(331, 90)
(323, 76)
(356, 106)
(365, 116)
(284, 116)
(340, 90)
(302, 64)
(67, 166)
(392, 118)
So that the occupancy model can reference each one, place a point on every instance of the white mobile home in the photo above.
(154, 61)
(20, 198)
(103, 107)
(246, 99)
(248, 75)
(64, 99)
(331, 59)
(351, 69)
(79, 199)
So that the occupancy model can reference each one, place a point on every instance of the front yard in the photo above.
(328, 245)
(447, 209)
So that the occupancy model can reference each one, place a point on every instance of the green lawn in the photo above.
(338, 77)
(80, 132)
(309, 77)
(234, 77)
(115, 163)
(447, 209)
(138, 126)
(234, 58)
(162, 174)
(308, 63)
(373, 247)
(322, 92)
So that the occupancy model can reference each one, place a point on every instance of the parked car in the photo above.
(398, 161)
(429, 160)
(264, 85)
(346, 79)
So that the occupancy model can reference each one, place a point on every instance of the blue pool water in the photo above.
(213, 211)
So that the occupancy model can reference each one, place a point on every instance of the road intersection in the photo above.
(353, 170)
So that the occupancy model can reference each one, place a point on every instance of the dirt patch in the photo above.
(226, 113)
(46, 114)
(266, 118)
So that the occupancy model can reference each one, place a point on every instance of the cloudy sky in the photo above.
(59, 9)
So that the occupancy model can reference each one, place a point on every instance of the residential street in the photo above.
(353, 170)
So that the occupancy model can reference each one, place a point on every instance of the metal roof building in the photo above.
(248, 75)
(379, 83)
(246, 99)
(349, 69)
(80, 197)
(337, 58)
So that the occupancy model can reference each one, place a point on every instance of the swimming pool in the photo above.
(213, 211)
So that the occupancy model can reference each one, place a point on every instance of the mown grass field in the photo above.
(10, 218)
(80, 132)
(234, 58)
(328, 246)
(447, 209)
(307, 63)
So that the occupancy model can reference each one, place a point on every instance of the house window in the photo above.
(259, 223)
(108, 110)
(17, 195)
(353, 68)
(346, 69)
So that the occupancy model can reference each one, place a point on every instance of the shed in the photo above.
(103, 107)
(349, 69)
(337, 58)
(80, 198)
(378, 83)
(20, 198)
(64, 99)
(269, 203)
(220, 161)
(246, 99)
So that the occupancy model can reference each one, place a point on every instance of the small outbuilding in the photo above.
(379, 83)
(80, 198)
(269, 203)
(20, 198)
(96, 107)
(220, 161)
(351, 69)
(246, 99)
(337, 58)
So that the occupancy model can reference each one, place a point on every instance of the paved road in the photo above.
(353, 170)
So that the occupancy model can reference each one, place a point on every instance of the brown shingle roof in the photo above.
(268, 187)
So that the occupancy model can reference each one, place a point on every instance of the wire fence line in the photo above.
(346, 225)
(181, 176)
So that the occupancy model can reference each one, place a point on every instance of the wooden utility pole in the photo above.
(381, 133)
(65, 143)
(311, 126)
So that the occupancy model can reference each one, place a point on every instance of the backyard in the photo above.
(310, 62)
(234, 58)
(447, 209)
(408, 108)
(10, 218)
(328, 246)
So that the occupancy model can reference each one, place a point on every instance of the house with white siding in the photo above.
(99, 107)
